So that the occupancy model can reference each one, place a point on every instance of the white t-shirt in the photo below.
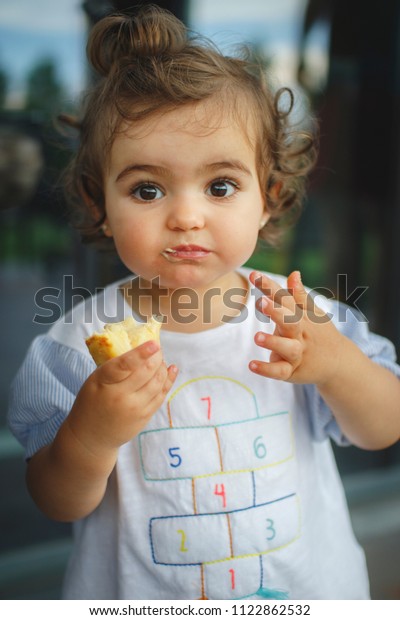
(230, 492)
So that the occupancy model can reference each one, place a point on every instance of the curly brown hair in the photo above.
(148, 63)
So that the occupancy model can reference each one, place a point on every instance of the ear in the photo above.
(107, 232)
(99, 216)
(264, 219)
(265, 215)
(89, 192)
(275, 190)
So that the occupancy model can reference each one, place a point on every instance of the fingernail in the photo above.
(256, 277)
(151, 347)
(298, 277)
(253, 365)
(261, 338)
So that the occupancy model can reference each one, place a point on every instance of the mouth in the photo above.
(185, 251)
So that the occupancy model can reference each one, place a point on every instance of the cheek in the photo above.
(128, 229)
(244, 228)
(131, 242)
(240, 241)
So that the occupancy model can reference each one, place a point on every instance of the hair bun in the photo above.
(150, 32)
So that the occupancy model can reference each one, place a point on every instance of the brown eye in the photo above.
(147, 192)
(222, 189)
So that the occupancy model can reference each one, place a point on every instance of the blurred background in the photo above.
(343, 61)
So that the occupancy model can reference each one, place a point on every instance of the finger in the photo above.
(139, 362)
(159, 397)
(295, 286)
(264, 283)
(288, 349)
(172, 373)
(282, 371)
(302, 298)
(272, 290)
(156, 383)
(287, 320)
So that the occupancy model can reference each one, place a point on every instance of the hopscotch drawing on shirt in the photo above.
(235, 464)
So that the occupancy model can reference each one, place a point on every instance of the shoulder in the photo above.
(43, 391)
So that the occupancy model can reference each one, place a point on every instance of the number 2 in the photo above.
(183, 548)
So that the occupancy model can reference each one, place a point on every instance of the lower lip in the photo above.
(186, 255)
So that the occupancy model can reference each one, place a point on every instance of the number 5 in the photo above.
(177, 458)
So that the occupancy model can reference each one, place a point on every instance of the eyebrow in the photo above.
(158, 170)
(230, 164)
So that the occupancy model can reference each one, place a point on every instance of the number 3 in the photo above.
(270, 528)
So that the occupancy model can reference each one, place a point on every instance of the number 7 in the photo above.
(208, 400)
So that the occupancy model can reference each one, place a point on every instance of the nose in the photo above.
(185, 214)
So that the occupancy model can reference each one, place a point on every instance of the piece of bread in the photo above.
(118, 338)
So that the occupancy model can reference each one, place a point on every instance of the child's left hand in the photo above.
(305, 346)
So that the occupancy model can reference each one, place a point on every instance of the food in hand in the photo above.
(119, 338)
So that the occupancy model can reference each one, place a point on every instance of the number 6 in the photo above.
(259, 447)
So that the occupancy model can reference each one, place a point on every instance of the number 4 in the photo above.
(220, 490)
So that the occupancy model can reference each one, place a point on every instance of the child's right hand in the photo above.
(118, 399)
(68, 477)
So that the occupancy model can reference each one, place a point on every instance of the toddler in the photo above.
(200, 468)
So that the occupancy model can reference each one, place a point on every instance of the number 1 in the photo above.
(232, 572)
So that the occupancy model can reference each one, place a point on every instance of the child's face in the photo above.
(183, 199)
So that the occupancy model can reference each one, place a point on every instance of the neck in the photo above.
(185, 309)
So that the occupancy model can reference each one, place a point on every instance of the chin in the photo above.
(186, 278)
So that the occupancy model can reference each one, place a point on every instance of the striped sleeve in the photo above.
(44, 391)
(380, 350)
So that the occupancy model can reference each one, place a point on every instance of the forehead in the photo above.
(209, 124)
